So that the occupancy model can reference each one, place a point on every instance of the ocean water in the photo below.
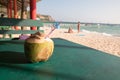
(108, 30)
(101, 29)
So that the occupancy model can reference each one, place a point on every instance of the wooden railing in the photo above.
(10, 22)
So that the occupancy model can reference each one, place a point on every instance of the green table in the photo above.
(69, 61)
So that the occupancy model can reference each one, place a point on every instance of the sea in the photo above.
(106, 29)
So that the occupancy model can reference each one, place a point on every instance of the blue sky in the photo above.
(103, 11)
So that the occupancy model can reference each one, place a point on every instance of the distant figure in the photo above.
(70, 30)
(2, 15)
(78, 27)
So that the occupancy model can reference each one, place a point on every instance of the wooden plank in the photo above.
(20, 22)
(19, 31)
(5, 23)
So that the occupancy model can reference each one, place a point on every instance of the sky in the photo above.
(95, 11)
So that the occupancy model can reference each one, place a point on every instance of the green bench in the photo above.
(5, 22)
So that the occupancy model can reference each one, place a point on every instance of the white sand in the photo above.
(108, 44)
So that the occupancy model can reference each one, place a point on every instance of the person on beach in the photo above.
(78, 27)
(70, 30)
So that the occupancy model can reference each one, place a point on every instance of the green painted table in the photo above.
(69, 61)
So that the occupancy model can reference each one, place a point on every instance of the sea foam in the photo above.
(87, 31)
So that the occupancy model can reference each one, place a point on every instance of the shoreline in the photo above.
(104, 43)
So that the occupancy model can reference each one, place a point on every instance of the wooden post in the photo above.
(33, 12)
(15, 9)
(22, 8)
(10, 9)
(15, 12)
(23, 13)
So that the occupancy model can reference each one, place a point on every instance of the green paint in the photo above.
(70, 61)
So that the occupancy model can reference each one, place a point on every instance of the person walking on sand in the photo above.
(78, 27)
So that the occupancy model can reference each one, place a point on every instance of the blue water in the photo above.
(113, 30)
(102, 29)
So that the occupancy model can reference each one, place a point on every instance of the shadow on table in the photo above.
(42, 72)
(12, 57)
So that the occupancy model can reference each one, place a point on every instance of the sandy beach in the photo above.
(105, 43)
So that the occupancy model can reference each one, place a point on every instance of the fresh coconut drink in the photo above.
(38, 48)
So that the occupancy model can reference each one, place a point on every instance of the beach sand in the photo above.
(105, 43)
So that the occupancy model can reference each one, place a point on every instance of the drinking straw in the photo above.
(49, 33)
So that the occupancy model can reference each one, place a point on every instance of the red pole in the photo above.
(8, 11)
(33, 12)
(15, 12)
(15, 9)
(10, 8)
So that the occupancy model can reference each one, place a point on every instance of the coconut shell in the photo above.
(37, 48)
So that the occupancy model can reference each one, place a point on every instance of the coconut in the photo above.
(38, 48)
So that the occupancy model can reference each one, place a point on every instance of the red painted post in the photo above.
(10, 8)
(15, 9)
(15, 12)
(33, 12)
(8, 11)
